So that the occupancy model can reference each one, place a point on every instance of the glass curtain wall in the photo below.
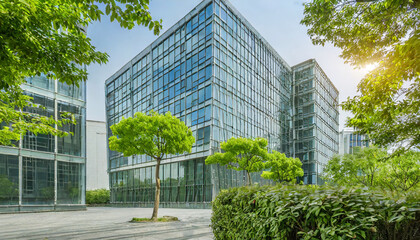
(252, 84)
(44, 172)
(182, 183)
(173, 75)
(315, 120)
(217, 74)
(9, 180)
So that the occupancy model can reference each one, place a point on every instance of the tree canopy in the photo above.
(282, 168)
(49, 37)
(242, 154)
(154, 135)
(401, 172)
(386, 32)
(374, 167)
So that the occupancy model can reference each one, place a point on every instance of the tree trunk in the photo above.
(249, 179)
(157, 192)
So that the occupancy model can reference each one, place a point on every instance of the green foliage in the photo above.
(8, 189)
(242, 154)
(153, 135)
(162, 219)
(310, 212)
(99, 196)
(49, 37)
(16, 123)
(401, 173)
(374, 167)
(48, 193)
(282, 168)
(360, 168)
(386, 32)
(40, 37)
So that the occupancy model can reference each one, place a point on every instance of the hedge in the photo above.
(308, 212)
(99, 196)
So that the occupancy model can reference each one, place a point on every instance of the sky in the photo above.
(277, 21)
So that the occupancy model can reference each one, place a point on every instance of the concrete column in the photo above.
(20, 159)
(55, 142)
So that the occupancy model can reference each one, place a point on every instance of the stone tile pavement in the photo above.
(106, 223)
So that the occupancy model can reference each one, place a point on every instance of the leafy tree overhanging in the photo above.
(49, 37)
(386, 32)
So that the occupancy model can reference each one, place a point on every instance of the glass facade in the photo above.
(349, 139)
(315, 119)
(44, 172)
(217, 74)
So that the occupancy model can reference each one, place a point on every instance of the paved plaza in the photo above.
(106, 223)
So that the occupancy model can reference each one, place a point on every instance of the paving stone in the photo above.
(106, 223)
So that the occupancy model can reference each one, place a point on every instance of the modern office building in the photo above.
(315, 119)
(216, 73)
(96, 164)
(43, 172)
(349, 139)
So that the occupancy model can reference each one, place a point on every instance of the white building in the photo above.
(96, 164)
(349, 139)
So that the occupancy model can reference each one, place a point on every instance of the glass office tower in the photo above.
(217, 74)
(315, 120)
(43, 172)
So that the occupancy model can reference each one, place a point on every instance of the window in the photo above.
(209, 29)
(209, 10)
(208, 92)
(203, 136)
(208, 113)
(194, 118)
(209, 52)
(201, 96)
(223, 14)
(208, 72)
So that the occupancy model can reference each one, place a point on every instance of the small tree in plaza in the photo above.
(242, 154)
(153, 135)
(282, 168)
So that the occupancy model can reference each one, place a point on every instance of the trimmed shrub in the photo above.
(99, 196)
(311, 212)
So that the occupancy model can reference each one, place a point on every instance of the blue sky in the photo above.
(276, 20)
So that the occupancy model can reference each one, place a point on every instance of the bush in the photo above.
(99, 196)
(310, 212)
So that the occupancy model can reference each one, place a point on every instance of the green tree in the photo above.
(242, 154)
(402, 172)
(360, 168)
(153, 135)
(8, 189)
(386, 32)
(49, 37)
(282, 168)
(374, 167)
